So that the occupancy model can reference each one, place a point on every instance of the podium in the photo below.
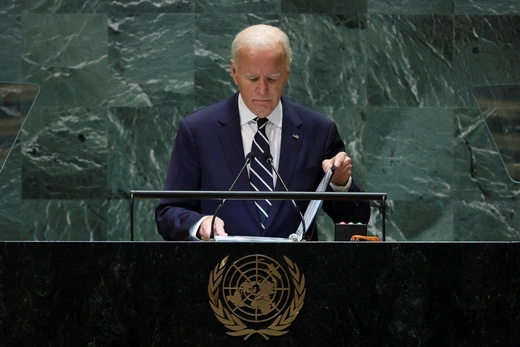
(348, 294)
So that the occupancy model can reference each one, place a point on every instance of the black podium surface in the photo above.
(329, 294)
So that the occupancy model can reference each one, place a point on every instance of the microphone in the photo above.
(269, 159)
(249, 157)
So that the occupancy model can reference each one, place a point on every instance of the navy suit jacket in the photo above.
(208, 155)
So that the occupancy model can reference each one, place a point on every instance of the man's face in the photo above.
(260, 76)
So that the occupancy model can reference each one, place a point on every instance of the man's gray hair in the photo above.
(261, 36)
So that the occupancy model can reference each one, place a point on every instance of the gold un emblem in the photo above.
(256, 295)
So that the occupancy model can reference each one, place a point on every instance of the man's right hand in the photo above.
(205, 228)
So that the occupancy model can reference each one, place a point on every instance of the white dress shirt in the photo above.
(273, 130)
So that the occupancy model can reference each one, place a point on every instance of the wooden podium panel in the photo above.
(315, 293)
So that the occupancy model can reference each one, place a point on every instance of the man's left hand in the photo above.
(343, 165)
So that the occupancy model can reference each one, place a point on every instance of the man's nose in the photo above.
(262, 87)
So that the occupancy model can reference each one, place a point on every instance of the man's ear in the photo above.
(233, 70)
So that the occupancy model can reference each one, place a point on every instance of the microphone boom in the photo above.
(249, 157)
(294, 237)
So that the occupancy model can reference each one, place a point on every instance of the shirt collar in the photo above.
(247, 116)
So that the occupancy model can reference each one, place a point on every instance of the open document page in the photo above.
(310, 214)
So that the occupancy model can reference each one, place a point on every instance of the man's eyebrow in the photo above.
(251, 75)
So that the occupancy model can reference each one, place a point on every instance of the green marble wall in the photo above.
(397, 77)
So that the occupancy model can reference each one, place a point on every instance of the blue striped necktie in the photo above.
(260, 172)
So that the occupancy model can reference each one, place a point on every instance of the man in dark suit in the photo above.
(212, 144)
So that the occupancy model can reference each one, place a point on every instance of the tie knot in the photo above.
(261, 121)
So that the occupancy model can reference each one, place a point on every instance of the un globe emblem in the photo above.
(256, 288)
(256, 295)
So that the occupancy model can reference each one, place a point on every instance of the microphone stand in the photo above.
(293, 237)
(249, 157)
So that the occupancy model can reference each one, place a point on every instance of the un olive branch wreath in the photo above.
(237, 327)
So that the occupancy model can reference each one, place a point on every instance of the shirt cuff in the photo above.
(195, 228)
(344, 188)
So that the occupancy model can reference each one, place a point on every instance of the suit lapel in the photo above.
(292, 139)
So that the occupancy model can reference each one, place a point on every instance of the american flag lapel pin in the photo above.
(295, 136)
